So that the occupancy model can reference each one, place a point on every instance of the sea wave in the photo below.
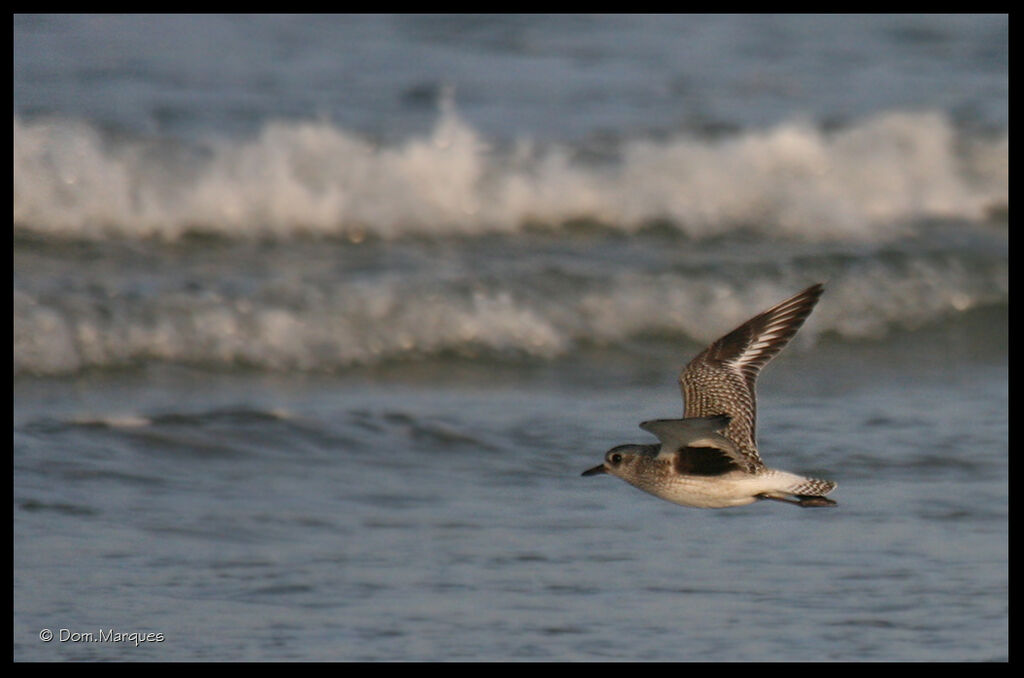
(350, 323)
(796, 180)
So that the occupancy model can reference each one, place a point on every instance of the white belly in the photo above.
(734, 489)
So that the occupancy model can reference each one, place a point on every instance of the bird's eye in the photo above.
(615, 459)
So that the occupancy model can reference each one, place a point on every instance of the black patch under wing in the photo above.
(703, 461)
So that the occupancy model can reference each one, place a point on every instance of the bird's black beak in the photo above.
(594, 471)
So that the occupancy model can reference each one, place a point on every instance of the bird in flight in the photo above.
(709, 459)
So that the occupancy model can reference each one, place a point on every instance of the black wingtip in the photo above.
(815, 290)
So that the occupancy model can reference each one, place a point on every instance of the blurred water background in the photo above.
(317, 320)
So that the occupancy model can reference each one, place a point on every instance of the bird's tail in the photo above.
(803, 492)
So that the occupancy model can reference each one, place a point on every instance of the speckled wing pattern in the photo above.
(721, 379)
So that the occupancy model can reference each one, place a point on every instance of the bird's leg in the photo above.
(804, 500)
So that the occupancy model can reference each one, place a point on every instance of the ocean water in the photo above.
(318, 319)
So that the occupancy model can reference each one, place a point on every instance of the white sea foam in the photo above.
(845, 197)
(794, 180)
(362, 324)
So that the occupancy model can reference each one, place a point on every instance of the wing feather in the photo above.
(722, 378)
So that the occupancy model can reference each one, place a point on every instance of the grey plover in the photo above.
(709, 459)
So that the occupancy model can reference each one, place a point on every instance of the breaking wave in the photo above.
(795, 180)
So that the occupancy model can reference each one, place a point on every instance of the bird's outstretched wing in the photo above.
(721, 379)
